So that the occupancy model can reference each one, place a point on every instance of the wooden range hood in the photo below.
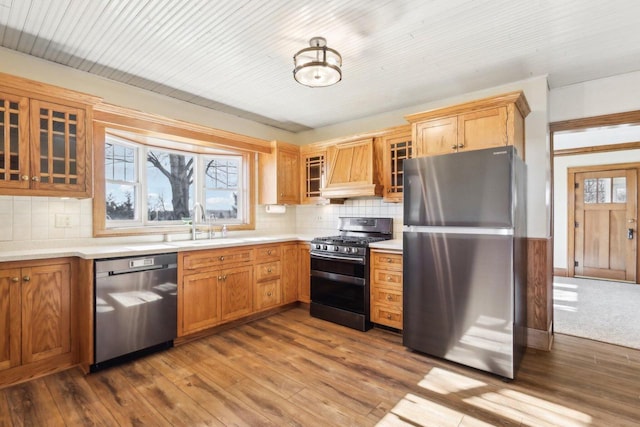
(352, 170)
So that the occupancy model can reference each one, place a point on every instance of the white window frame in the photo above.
(141, 196)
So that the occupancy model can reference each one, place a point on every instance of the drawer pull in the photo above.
(389, 298)
(269, 294)
(389, 260)
(388, 278)
(389, 316)
(269, 252)
(268, 270)
(221, 258)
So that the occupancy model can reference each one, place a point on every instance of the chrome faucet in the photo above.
(195, 219)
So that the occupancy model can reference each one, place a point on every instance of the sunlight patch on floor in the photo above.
(529, 410)
(442, 381)
(508, 404)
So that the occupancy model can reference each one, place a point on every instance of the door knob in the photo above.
(630, 234)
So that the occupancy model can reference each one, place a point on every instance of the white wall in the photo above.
(536, 134)
(614, 94)
(560, 192)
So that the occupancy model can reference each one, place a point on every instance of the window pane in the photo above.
(120, 162)
(620, 189)
(590, 190)
(120, 201)
(169, 185)
(604, 190)
(221, 172)
(222, 204)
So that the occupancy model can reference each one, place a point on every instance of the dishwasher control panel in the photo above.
(141, 262)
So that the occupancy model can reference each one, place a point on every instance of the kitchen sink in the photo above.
(208, 242)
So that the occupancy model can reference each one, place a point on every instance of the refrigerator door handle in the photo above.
(459, 230)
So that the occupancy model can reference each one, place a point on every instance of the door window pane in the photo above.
(620, 189)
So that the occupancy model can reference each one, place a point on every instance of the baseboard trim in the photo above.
(539, 339)
(560, 272)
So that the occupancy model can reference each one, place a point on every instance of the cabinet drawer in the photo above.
(386, 261)
(392, 297)
(387, 278)
(267, 271)
(385, 315)
(268, 294)
(217, 258)
(268, 253)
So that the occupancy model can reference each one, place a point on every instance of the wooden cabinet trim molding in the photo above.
(182, 131)
(45, 91)
(516, 98)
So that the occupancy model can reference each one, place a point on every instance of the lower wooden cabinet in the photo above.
(386, 288)
(290, 273)
(214, 286)
(236, 292)
(220, 285)
(35, 317)
(304, 273)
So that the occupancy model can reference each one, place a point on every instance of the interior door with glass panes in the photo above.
(605, 224)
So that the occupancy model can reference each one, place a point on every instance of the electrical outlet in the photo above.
(63, 220)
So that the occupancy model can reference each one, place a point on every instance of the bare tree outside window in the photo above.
(176, 173)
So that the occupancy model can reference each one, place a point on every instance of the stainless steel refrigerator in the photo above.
(464, 251)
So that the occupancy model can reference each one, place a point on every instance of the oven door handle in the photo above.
(352, 260)
(340, 278)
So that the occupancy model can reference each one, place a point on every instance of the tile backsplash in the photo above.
(28, 219)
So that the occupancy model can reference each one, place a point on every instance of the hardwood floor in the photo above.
(291, 369)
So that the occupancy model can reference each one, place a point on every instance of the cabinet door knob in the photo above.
(15, 279)
(220, 278)
(454, 146)
(35, 179)
(26, 278)
(460, 145)
(25, 177)
(224, 277)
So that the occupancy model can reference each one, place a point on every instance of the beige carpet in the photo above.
(598, 310)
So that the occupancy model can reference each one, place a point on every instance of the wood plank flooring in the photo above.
(291, 369)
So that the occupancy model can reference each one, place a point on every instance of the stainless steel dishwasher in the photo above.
(135, 306)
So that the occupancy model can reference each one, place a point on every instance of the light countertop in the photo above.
(95, 251)
(392, 245)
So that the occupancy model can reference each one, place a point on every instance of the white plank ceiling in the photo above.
(236, 55)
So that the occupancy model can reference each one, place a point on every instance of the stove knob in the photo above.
(347, 250)
(336, 248)
(324, 247)
(318, 246)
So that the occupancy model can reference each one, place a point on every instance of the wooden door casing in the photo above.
(601, 244)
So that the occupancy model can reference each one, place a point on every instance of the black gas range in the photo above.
(340, 271)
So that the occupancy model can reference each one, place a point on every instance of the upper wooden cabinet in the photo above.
(45, 148)
(313, 162)
(279, 175)
(352, 171)
(396, 148)
(489, 122)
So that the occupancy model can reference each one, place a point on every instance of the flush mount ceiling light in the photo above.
(317, 65)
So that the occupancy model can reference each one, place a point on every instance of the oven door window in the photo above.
(335, 290)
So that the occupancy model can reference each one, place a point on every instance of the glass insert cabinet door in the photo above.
(14, 141)
(58, 157)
